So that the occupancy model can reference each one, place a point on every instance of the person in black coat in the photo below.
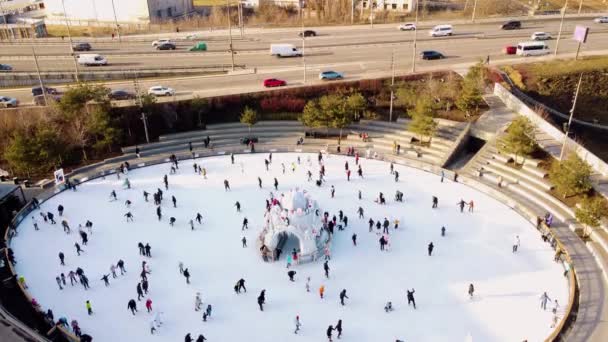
(262, 300)
(330, 330)
(430, 248)
(188, 338)
(342, 296)
(410, 298)
(132, 305)
(339, 328)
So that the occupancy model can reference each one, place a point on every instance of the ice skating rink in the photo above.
(477, 249)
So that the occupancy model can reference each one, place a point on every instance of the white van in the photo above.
(441, 30)
(532, 49)
(92, 59)
(285, 50)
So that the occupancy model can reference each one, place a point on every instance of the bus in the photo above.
(532, 49)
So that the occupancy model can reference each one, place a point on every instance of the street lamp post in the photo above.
(140, 102)
(390, 115)
(67, 24)
(578, 87)
(116, 23)
(415, 39)
(230, 36)
(352, 12)
(580, 6)
(46, 102)
(561, 25)
(474, 10)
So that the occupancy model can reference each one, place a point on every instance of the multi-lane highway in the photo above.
(357, 51)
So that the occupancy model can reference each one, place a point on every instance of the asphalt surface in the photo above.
(358, 52)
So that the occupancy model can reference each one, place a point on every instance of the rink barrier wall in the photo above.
(76, 178)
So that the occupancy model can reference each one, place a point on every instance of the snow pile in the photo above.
(295, 214)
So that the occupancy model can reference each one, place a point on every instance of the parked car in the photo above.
(120, 94)
(5, 67)
(273, 82)
(161, 91)
(510, 50)
(166, 46)
(330, 75)
(601, 20)
(407, 27)
(82, 47)
(6, 102)
(540, 36)
(308, 33)
(511, 25)
(431, 54)
(161, 41)
(38, 91)
(249, 139)
(200, 46)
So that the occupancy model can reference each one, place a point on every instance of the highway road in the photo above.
(360, 52)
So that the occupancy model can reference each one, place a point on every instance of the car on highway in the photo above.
(534, 48)
(91, 59)
(120, 94)
(7, 102)
(274, 82)
(431, 54)
(161, 91)
(511, 25)
(200, 46)
(441, 31)
(166, 46)
(39, 100)
(509, 50)
(308, 33)
(540, 36)
(601, 20)
(330, 75)
(38, 91)
(161, 41)
(82, 47)
(5, 67)
(407, 27)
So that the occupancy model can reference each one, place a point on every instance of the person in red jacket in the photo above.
(149, 305)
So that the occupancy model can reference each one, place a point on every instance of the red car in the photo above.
(510, 50)
(273, 82)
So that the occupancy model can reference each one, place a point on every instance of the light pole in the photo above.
(561, 25)
(116, 23)
(371, 13)
(144, 118)
(474, 10)
(390, 113)
(415, 39)
(67, 24)
(240, 12)
(578, 87)
(580, 6)
(303, 43)
(230, 35)
(46, 102)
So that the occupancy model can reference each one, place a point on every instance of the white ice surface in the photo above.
(477, 249)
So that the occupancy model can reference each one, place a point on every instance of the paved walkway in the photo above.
(591, 323)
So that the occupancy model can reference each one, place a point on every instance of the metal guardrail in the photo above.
(558, 332)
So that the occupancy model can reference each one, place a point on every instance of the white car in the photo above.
(161, 91)
(601, 20)
(6, 102)
(540, 36)
(161, 42)
(194, 36)
(407, 27)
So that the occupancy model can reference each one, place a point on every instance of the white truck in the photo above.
(91, 59)
(285, 50)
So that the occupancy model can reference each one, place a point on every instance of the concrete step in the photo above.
(218, 128)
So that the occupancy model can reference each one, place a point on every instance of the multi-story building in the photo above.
(391, 5)
(128, 11)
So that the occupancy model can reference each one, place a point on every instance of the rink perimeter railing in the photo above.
(77, 177)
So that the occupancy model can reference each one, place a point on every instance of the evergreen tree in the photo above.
(472, 89)
(591, 210)
(572, 176)
(422, 123)
(519, 139)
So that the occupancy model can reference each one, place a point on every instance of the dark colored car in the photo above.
(431, 54)
(120, 95)
(82, 47)
(166, 46)
(247, 140)
(511, 25)
(38, 91)
(273, 82)
(308, 33)
(5, 67)
(39, 99)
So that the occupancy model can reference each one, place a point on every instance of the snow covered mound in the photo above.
(295, 214)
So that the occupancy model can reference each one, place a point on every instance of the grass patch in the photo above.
(561, 67)
(212, 2)
(573, 5)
